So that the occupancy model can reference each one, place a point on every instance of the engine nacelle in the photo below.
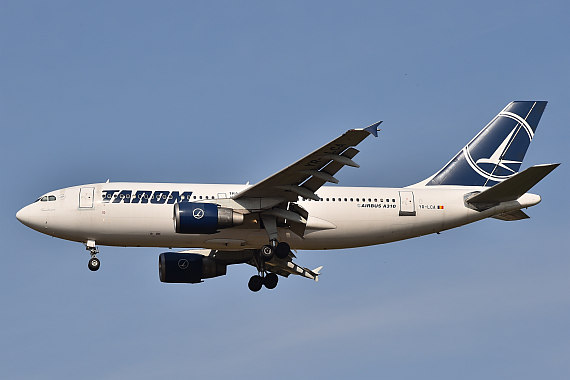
(203, 218)
(175, 267)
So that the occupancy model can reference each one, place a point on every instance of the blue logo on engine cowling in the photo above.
(144, 196)
(196, 218)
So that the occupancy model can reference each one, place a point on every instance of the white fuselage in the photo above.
(345, 217)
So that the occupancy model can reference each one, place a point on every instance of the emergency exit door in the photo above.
(407, 204)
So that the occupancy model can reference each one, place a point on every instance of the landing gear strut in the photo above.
(94, 263)
(265, 254)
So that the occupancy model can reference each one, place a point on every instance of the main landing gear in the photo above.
(269, 280)
(281, 250)
(94, 263)
(266, 253)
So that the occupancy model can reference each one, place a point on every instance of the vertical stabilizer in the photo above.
(496, 153)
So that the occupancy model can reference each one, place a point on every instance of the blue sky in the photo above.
(234, 91)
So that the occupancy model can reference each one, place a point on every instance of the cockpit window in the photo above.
(46, 198)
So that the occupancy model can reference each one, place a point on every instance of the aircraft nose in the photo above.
(25, 216)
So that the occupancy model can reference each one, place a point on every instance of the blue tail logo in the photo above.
(496, 153)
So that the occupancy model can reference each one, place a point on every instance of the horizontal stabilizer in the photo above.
(512, 215)
(514, 187)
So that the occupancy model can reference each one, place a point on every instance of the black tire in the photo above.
(270, 281)
(255, 283)
(94, 264)
(266, 252)
(282, 250)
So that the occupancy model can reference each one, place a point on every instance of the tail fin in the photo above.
(496, 153)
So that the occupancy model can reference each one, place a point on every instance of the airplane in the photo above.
(265, 224)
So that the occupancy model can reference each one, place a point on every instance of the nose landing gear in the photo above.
(94, 263)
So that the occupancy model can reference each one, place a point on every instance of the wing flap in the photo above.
(283, 266)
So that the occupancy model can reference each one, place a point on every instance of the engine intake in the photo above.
(203, 218)
(175, 267)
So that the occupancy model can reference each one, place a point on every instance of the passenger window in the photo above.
(345, 199)
(351, 199)
(375, 199)
(387, 200)
(369, 200)
(327, 199)
(51, 198)
(393, 200)
(357, 199)
(200, 197)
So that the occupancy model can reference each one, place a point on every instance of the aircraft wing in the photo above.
(285, 267)
(307, 175)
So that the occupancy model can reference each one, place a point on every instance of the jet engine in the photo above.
(203, 218)
(175, 267)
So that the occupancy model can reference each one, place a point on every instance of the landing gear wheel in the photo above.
(270, 280)
(282, 250)
(94, 264)
(266, 252)
(255, 283)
